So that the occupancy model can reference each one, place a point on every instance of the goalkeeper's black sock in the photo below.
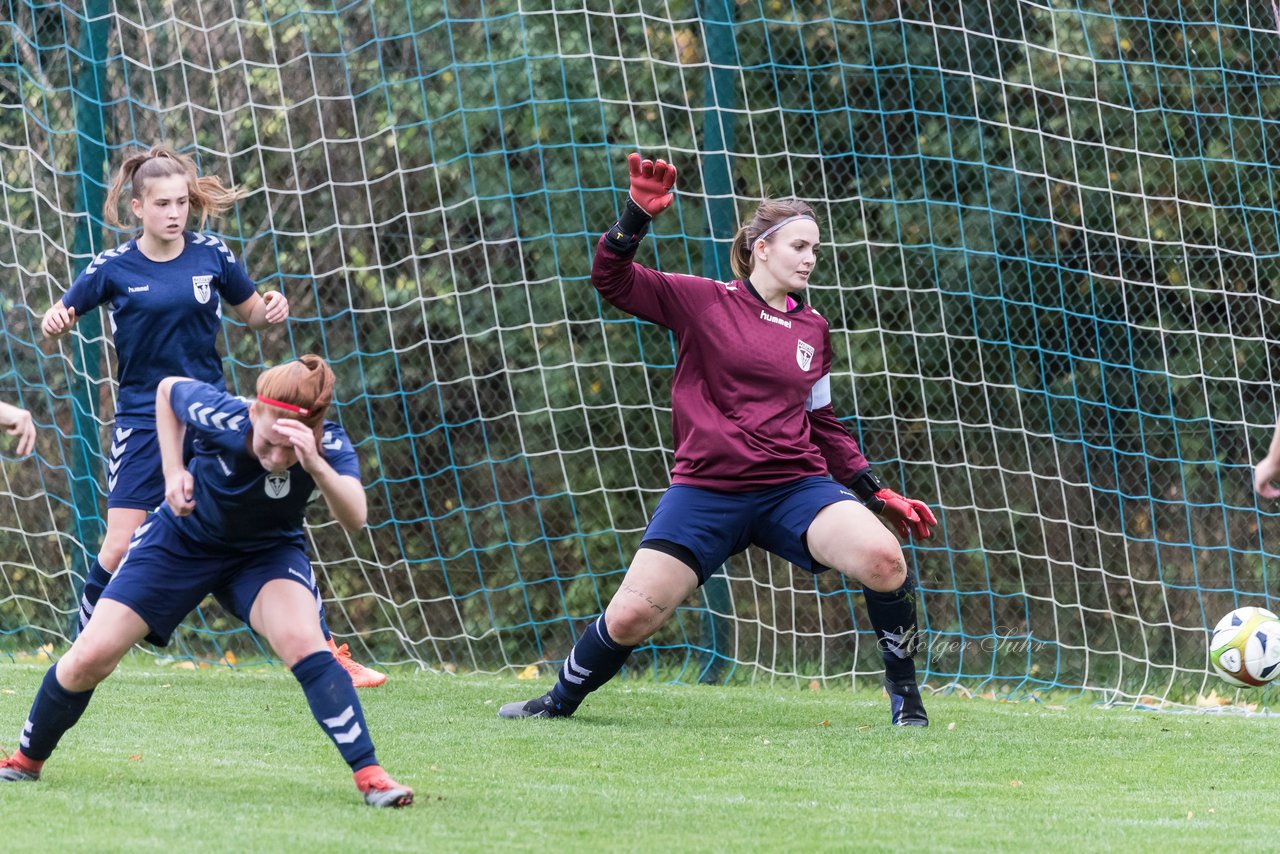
(594, 660)
(54, 711)
(336, 708)
(94, 583)
(893, 617)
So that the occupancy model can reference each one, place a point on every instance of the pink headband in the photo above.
(289, 406)
(777, 225)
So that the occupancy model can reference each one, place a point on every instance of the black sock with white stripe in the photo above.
(336, 708)
(54, 711)
(893, 617)
(594, 660)
(95, 581)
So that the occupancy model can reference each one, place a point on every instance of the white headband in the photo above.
(777, 225)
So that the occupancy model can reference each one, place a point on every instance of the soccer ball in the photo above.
(1245, 647)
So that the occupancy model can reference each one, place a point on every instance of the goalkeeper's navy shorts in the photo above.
(164, 576)
(708, 525)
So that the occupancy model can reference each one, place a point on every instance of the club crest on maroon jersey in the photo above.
(804, 355)
(202, 286)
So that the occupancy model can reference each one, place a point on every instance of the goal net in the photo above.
(1050, 272)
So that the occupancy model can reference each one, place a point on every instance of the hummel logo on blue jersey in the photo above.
(139, 289)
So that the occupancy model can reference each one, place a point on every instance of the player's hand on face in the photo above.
(179, 489)
(651, 184)
(20, 424)
(302, 438)
(1265, 476)
(58, 320)
(277, 307)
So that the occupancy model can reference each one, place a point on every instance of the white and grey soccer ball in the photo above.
(1245, 647)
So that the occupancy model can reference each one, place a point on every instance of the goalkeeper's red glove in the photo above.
(651, 184)
(907, 515)
(649, 195)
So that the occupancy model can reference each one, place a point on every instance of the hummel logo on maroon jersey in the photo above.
(764, 315)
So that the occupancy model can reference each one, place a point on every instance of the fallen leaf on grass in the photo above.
(815, 685)
(864, 727)
(1213, 698)
(530, 672)
(1017, 784)
(137, 757)
(824, 723)
(951, 725)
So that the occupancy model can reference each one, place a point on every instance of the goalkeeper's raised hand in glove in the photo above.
(651, 184)
(650, 193)
(906, 515)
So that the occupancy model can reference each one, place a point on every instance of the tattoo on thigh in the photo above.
(636, 591)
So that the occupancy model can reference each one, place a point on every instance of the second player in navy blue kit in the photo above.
(164, 292)
(231, 525)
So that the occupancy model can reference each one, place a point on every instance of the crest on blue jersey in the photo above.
(277, 484)
(203, 286)
(804, 355)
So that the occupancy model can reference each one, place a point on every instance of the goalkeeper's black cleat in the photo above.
(541, 707)
(905, 706)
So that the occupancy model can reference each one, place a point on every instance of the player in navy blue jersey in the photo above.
(761, 457)
(231, 525)
(164, 290)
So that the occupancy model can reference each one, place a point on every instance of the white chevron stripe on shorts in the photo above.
(119, 445)
(25, 739)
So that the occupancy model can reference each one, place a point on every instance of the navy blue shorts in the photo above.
(164, 576)
(714, 525)
(135, 476)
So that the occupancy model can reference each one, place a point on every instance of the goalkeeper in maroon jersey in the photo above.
(761, 457)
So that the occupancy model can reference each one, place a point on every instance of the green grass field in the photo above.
(221, 760)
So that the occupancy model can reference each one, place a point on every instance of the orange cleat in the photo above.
(361, 676)
(19, 769)
(379, 790)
